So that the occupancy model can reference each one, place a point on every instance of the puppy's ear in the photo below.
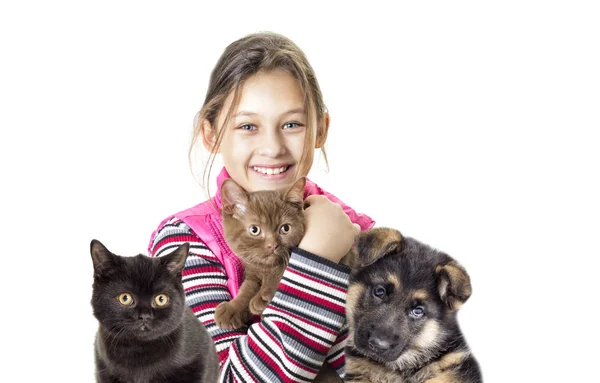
(233, 198)
(376, 243)
(454, 284)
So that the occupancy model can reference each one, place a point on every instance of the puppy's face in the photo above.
(401, 298)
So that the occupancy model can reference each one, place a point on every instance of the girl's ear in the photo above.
(209, 136)
(322, 130)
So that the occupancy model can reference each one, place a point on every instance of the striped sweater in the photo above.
(303, 325)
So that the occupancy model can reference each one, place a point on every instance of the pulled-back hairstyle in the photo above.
(264, 51)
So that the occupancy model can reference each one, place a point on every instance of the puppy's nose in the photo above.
(378, 343)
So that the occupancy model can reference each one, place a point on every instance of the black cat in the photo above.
(147, 332)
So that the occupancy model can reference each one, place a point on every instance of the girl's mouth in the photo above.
(272, 172)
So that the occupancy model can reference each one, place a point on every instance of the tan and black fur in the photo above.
(401, 309)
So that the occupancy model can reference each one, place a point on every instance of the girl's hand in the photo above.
(329, 232)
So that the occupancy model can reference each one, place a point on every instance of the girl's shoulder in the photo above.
(196, 222)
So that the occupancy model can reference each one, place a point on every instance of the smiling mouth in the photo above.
(271, 171)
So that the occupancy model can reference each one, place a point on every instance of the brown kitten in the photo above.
(261, 228)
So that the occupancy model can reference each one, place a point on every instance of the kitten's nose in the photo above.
(145, 316)
(272, 246)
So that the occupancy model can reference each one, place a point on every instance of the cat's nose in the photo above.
(272, 246)
(145, 316)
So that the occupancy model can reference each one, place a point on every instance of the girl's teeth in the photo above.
(271, 171)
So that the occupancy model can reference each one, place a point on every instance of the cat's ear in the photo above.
(295, 194)
(175, 261)
(103, 260)
(233, 198)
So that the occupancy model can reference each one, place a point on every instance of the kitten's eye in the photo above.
(285, 228)
(161, 300)
(417, 312)
(254, 230)
(379, 291)
(125, 299)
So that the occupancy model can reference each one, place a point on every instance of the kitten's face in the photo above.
(138, 297)
(261, 227)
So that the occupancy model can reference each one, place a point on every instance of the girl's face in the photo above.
(263, 141)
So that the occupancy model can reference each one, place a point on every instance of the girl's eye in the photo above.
(417, 312)
(254, 230)
(161, 300)
(248, 127)
(291, 125)
(125, 299)
(379, 291)
(285, 228)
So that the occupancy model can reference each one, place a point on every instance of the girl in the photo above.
(264, 114)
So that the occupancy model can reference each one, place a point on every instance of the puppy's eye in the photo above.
(285, 228)
(379, 291)
(254, 230)
(417, 312)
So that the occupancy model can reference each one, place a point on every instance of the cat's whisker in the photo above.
(116, 336)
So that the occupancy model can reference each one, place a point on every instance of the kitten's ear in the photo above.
(295, 194)
(376, 243)
(454, 284)
(175, 261)
(103, 260)
(233, 198)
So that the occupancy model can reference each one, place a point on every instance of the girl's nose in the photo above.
(272, 145)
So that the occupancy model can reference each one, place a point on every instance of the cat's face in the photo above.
(138, 297)
(261, 227)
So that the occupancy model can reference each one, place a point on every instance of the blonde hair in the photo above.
(264, 51)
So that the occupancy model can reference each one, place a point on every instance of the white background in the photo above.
(468, 125)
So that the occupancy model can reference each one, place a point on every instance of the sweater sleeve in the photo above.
(299, 327)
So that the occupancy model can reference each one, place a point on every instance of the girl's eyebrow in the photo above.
(250, 114)
(294, 111)
(244, 113)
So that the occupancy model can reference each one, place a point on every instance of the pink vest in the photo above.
(207, 223)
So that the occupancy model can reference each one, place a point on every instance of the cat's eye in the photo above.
(161, 300)
(285, 228)
(254, 230)
(125, 299)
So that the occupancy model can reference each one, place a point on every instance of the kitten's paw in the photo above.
(228, 316)
(267, 294)
(257, 305)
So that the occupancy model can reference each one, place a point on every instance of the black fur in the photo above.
(142, 341)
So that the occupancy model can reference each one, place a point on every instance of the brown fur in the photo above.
(263, 267)
(265, 255)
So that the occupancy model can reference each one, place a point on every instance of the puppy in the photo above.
(401, 309)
